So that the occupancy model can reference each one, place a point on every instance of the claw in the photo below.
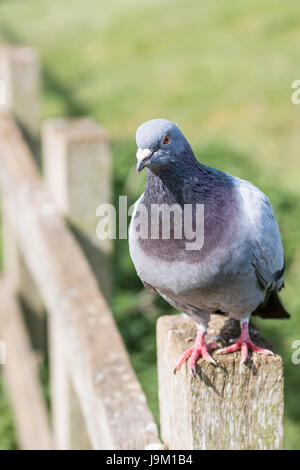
(199, 348)
(244, 344)
(210, 359)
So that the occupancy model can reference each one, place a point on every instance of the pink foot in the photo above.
(199, 348)
(244, 343)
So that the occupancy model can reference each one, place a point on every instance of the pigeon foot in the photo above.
(198, 349)
(244, 344)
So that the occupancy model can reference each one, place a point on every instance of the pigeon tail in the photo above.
(272, 308)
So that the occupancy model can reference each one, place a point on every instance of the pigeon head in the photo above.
(160, 143)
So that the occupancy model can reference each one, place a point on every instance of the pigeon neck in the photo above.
(166, 184)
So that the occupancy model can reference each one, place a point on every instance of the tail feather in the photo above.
(272, 308)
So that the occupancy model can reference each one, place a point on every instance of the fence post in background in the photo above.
(77, 169)
(224, 407)
(20, 75)
(20, 78)
(77, 165)
(20, 72)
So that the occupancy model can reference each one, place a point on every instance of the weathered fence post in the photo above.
(20, 72)
(77, 168)
(224, 407)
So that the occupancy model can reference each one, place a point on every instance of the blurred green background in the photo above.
(221, 70)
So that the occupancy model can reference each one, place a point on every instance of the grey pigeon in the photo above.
(237, 270)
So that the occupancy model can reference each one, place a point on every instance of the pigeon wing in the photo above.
(268, 257)
(267, 251)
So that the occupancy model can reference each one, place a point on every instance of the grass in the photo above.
(221, 70)
(7, 434)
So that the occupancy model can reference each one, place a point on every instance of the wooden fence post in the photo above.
(77, 166)
(20, 72)
(20, 75)
(77, 169)
(224, 407)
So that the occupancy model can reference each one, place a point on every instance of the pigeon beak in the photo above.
(142, 155)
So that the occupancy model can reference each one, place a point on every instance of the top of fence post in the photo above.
(228, 407)
(20, 87)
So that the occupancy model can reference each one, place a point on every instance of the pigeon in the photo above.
(235, 269)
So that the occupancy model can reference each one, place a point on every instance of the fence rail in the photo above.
(58, 265)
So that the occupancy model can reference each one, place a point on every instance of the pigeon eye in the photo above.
(166, 139)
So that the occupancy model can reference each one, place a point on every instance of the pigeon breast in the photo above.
(166, 264)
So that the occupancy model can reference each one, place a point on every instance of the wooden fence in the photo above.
(53, 266)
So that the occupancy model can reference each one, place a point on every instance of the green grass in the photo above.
(7, 434)
(221, 70)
